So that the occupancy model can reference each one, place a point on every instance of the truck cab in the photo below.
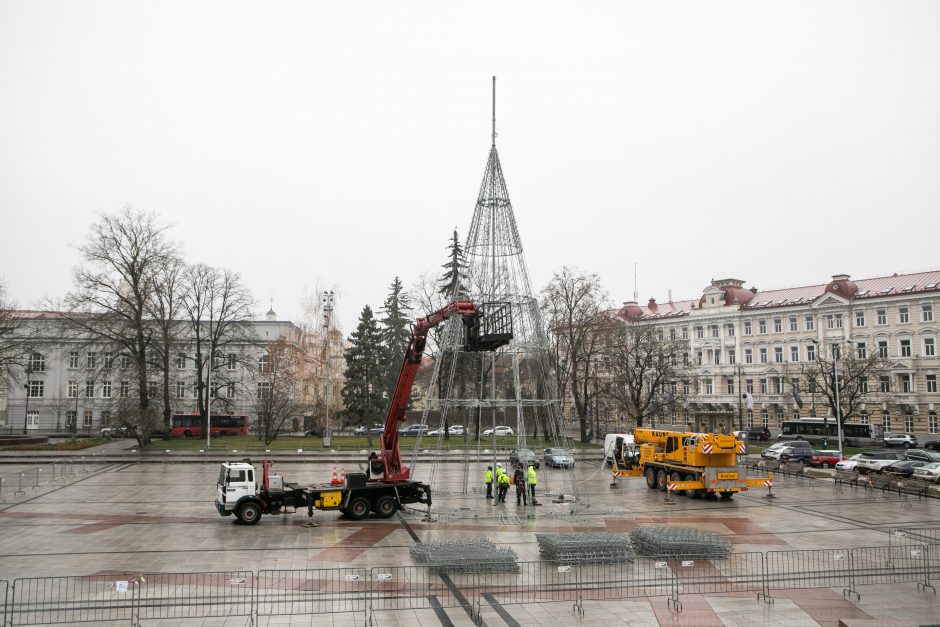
(236, 485)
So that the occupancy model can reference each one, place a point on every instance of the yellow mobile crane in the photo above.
(696, 463)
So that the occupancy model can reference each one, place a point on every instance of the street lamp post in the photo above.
(327, 299)
(29, 371)
(740, 399)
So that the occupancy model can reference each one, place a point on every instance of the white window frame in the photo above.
(747, 327)
(748, 355)
(72, 389)
(778, 325)
(762, 351)
(926, 313)
(794, 352)
(904, 347)
(37, 362)
(932, 422)
(91, 359)
(930, 347)
(125, 389)
(73, 360)
(809, 323)
(762, 326)
(881, 317)
(931, 383)
(105, 389)
(88, 419)
(794, 324)
(860, 318)
(904, 314)
(36, 388)
(885, 420)
(810, 352)
(908, 423)
(32, 420)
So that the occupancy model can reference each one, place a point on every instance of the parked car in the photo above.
(524, 456)
(452, 430)
(374, 430)
(824, 459)
(500, 430)
(907, 440)
(414, 430)
(876, 461)
(849, 464)
(903, 468)
(800, 454)
(113, 432)
(773, 451)
(559, 458)
(933, 445)
(928, 472)
(922, 455)
(758, 433)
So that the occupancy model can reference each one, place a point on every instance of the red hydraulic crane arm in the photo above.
(391, 455)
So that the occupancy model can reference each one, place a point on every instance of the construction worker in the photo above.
(532, 480)
(488, 475)
(518, 479)
(502, 479)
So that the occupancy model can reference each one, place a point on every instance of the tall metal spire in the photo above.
(494, 111)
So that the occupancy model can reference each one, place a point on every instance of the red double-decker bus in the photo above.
(188, 425)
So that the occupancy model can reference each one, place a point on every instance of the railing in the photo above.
(368, 594)
(21, 482)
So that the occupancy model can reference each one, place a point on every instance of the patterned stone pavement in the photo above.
(153, 517)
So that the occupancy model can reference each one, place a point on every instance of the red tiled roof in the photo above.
(878, 287)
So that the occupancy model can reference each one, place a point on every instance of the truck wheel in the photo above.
(187, 434)
(249, 513)
(651, 478)
(690, 492)
(386, 506)
(661, 480)
(358, 508)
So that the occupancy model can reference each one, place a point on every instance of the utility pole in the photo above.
(327, 299)
(29, 372)
(740, 398)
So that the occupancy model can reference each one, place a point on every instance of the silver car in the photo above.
(559, 458)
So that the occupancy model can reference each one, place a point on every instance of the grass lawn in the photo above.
(75, 444)
(342, 442)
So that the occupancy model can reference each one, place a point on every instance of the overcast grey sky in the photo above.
(340, 143)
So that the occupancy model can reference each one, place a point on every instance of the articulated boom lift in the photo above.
(481, 334)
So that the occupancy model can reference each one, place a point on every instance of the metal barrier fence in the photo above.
(367, 593)
(911, 535)
(23, 481)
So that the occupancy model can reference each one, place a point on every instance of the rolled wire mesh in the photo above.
(671, 542)
(477, 555)
(577, 548)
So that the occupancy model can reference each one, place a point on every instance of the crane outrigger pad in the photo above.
(488, 329)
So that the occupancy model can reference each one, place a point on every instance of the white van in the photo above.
(610, 441)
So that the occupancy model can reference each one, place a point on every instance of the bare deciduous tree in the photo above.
(278, 398)
(216, 305)
(575, 308)
(164, 308)
(642, 369)
(113, 287)
(14, 345)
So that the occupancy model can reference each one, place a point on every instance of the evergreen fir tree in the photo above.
(364, 389)
(452, 285)
(396, 331)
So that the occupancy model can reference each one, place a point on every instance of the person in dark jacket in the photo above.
(519, 478)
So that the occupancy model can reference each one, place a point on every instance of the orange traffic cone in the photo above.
(335, 479)
(342, 476)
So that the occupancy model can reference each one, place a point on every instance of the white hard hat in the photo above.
(499, 465)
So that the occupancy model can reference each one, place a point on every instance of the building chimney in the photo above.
(652, 305)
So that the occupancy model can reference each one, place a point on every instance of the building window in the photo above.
(908, 423)
(73, 360)
(750, 419)
(764, 419)
(794, 352)
(862, 385)
(885, 384)
(883, 349)
(778, 385)
(747, 327)
(264, 389)
(749, 386)
(708, 386)
(861, 350)
(932, 422)
(930, 348)
(729, 386)
(152, 389)
(778, 354)
(796, 414)
(35, 389)
(37, 362)
(778, 325)
(881, 316)
(32, 420)
(230, 364)
(793, 326)
(763, 386)
(230, 391)
(808, 323)
(810, 352)
(181, 361)
(748, 356)
(89, 389)
(729, 330)
(905, 383)
(714, 330)
(106, 389)
(932, 383)
(263, 362)
(860, 318)
(87, 418)
(762, 326)
(905, 348)
(698, 357)
(904, 315)
(196, 390)
(109, 360)
(700, 332)
(731, 357)
(885, 420)
(926, 313)
(91, 359)
(864, 418)
(763, 355)
(72, 389)
(685, 333)
(180, 389)
(70, 418)
(125, 389)
(834, 321)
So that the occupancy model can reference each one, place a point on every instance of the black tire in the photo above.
(825, 464)
(385, 506)
(650, 477)
(907, 445)
(690, 492)
(358, 508)
(187, 434)
(249, 513)
(661, 480)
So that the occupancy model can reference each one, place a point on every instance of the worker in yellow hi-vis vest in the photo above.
(488, 477)
(532, 479)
